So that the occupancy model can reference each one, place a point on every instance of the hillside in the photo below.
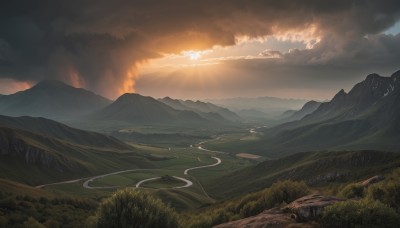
(51, 99)
(26, 154)
(60, 131)
(202, 108)
(315, 168)
(139, 109)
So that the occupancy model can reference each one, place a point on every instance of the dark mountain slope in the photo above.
(60, 131)
(140, 109)
(52, 99)
(205, 109)
(36, 159)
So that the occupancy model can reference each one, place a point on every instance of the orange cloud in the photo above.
(9, 86)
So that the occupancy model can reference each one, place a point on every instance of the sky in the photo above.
(199, 49)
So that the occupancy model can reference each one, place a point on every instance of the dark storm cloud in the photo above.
(96, 43)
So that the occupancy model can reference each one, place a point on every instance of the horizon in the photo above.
(205, 99)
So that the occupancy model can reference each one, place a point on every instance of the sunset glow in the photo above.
(193, 55)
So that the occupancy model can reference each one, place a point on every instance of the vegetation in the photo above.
(28, 211)
(378, 205)
(362, 213)
(134, 208)
(317, 168)
(279, 193)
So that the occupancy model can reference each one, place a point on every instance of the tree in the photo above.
(135, 208)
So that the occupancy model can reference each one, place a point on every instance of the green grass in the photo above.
(181, 159)
(165, 181)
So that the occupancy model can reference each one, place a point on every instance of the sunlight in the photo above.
(192, 55)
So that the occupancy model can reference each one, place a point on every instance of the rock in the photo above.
(300, 213)
(311, 207)
(372, 180)
(269, 218)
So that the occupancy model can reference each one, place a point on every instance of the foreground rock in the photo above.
(311, 207)
(302, 212)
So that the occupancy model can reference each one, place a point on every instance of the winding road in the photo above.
(189, 183)
(204, 166)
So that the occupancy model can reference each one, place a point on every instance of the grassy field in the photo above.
(172, 162)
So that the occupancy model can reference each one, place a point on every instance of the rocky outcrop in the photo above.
(311, 207)
(302, 212)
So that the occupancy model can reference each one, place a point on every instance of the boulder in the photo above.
(311, 207)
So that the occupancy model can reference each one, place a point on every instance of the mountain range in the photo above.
(135, 108)
(271, 106)
(205, 109)
(367, 117)
(59, 101)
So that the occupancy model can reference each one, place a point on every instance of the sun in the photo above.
(192, 55)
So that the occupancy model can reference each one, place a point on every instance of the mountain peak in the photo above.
(373, 76)
(340, 94)
(129, 96)
(51, 83)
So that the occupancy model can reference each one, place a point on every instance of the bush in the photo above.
(352, 191)
(134, 208)
(387, 191)
(361, 213)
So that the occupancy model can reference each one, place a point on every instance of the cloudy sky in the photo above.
(199, 49)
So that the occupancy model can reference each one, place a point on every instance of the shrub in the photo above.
(134, 208)
(352, 191)
(361, 213)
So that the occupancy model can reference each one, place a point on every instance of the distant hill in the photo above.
(202, 108)
(272, 106)
(51, 99)
(32, 155)
(135, 108)
(253, 115)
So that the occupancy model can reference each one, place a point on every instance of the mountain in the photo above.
(307, 108)
(50, 152)
(367, 117)
(272, 106)
(52, 99)
(202, 108)
(135, 108)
